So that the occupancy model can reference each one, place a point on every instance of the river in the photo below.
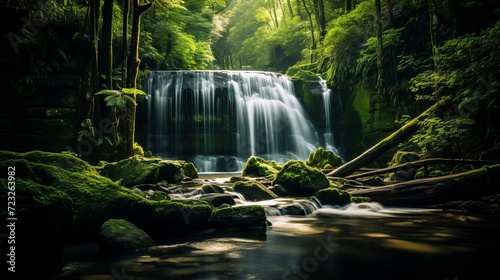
(358, 241)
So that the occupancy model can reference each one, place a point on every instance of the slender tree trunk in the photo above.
(94, 76)
(311, 28)
(290, 9)
(347, 5)
(320, 18)
(434, 31)
(393, 57)
(126, 12)
(380, 47)
(106, 52)
(133, 70)
(386, 144)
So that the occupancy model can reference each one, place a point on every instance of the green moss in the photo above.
(292, 71)
(259, 167)
(97, 198)
(254, 191)
(333, 196)
(301, 179)
(322, 158)
(249, 216)
(119, 236)
(138, 150)
(190, 170)
(359, 199)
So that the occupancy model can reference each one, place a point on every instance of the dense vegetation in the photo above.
(410, 52)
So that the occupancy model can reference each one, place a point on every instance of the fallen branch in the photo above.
(386, 144)
(436, 190)
(420, 163)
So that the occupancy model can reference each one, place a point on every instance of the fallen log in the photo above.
(437, 190)
(420, 163)
(388, 143)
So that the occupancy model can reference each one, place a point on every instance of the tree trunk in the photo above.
(386, 144)
(434, 31)
(311, 28)
(128, 136)
(414, 165)
(320, 18)
(380, 47)
(126, 12)
(106, 52)
(437, 190)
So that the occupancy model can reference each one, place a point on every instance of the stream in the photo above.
(357, 241)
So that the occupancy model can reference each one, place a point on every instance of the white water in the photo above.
(219, 119)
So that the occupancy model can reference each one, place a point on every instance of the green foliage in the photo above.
(439, 137)
(119, 98)
(344, 41)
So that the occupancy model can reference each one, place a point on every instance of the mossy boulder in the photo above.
(322, 158)
(97, 198)
(259, 167)
(44, 219)
(333, 196)
(406, 172)
(254, 191)
(119, 236)
(138, 170)
(218, 199)
(301, 179)
(239, 217)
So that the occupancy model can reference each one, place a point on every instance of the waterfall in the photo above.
(217, 119)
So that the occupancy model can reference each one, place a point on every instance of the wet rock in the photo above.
(259, 167)
(239, 217)
(322, 159)
(301, 179)
(333, 196)
(292, 209)
(212, 189)
(119, 236)
(218, 199)
(279, 190)
(254, 191)
(139, 170)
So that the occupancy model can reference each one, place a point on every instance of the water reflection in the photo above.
(363, 242)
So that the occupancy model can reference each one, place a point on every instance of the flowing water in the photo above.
(357, 241)
(217, 119)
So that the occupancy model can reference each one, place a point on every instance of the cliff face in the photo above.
(357, 120)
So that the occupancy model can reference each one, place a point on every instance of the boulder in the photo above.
(253, 191)
(119, 236)
(218, 199)
(239, 217)
(301, 179)
(333, 196)
(323, 159)
(138, 170)
(259, 167)
(97, 198)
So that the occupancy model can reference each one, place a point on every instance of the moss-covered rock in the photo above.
(259, 167)
(301, 179)
(406, 172)
(119, 236)
(138, 170)
(212, 189)
(333, 196)
(254, 191)
(239, 217)
(97, 198)
(322, 158)
(44, 219)
(218, 199)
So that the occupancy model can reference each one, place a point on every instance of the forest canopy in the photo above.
(410, 52)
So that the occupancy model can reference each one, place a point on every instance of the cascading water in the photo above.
(217, 119)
